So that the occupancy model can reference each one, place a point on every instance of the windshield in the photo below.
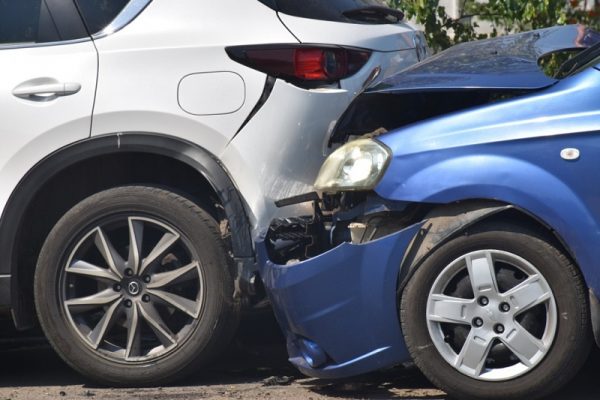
(354, 11)
(584, 59)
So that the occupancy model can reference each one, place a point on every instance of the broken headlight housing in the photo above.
(357, 165)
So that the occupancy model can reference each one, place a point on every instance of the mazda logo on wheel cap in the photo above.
(133, 288)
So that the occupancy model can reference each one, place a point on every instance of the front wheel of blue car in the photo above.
(498, 313)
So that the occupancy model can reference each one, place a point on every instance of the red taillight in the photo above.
(302, 63)
(310, 64)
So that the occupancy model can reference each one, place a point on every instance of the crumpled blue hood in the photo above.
(509, 62)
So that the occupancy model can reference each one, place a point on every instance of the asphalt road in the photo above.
(254, 368)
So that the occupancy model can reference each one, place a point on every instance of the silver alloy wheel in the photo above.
(137, 308)
(492, 317)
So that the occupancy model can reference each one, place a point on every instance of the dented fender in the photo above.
(442, 224)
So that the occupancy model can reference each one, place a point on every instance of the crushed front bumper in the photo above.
(339, 309)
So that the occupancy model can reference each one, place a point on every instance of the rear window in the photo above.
(353, 11)
(98, 14)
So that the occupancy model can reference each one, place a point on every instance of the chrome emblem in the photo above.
(133, 288)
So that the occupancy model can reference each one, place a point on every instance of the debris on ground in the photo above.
(278, 380)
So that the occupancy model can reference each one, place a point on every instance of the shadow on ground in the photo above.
(256, 357)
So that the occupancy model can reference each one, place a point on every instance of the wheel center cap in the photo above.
(134, 288)
(490, 315)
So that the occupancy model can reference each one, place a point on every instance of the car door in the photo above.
(48, 69)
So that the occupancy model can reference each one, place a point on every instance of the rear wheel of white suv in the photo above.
(133, 287)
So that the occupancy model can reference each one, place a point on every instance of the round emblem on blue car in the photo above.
(570, 154)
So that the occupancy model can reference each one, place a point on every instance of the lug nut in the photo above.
(477, 322)
(504, 307)
(145, 298)
(128, 303)
(117, 287)
(484, 301)
(128, 272)
(147, 278)
(499, 328)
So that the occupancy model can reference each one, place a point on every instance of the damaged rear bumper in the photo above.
(339, 309)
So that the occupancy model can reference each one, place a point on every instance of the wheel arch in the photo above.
(447, 221)
(432, 347)
(210, 177)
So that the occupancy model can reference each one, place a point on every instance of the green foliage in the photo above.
(441, 30)
(551, 63)
(506, 16)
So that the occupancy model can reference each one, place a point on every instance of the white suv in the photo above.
(143, 144)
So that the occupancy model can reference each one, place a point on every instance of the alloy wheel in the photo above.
(491, 315)
(133, 289)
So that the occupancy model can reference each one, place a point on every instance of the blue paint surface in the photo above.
(506, 62)
(343, 300)
(510, 152)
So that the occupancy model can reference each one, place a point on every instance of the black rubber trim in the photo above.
(595, 316)
(47, 29)
(67, 19)
(270, 3)
(267, 90)
(301, 198)
(188, 153)
(5, 289)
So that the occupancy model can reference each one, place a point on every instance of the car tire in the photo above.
(134, 287)
(497, 358)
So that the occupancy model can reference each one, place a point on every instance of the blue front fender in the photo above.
(528, 174)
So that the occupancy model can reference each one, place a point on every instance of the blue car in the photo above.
(463, 231)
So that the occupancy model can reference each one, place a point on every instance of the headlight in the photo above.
(357, 165)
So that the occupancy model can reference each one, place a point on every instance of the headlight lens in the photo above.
(357, 165)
